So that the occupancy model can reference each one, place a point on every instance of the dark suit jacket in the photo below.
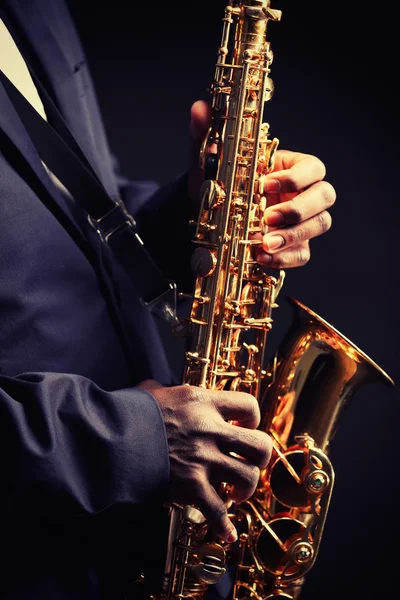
(84, 456)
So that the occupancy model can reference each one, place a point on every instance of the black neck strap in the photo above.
(60, 152)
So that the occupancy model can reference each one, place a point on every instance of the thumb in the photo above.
(200, 118)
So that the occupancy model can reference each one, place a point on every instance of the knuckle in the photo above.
(324, 221)
(279, 261)
(246, 481)
(294, 213)
(263, 445)
(294, 235)
(190, 393)
(249, 407)
(254, 476)
(303, 255)
(328, 193)
(266, 449)
(254, 408)
(252, 479)
(284, 260)
(319, 168)
(292, 184)
(293, 258)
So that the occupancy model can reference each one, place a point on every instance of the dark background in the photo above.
(335, 73)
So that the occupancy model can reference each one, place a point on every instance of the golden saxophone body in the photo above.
(313, 374)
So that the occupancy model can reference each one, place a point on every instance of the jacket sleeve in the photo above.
(69, 448)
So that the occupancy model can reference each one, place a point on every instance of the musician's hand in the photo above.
(298, 198)
(297, 203)
(200, 117)
(200, 441)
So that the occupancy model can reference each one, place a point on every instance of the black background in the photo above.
(335, 72)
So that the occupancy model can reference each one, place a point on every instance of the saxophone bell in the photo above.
(317, 371)
(313, 376)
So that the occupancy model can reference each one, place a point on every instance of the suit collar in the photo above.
(47, 37)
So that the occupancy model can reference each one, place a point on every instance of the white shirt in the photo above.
(14, 67)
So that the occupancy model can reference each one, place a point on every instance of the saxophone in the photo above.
(312, 376)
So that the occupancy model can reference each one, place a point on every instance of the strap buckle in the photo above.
(114, 220)
(164, 305)
(158, 294)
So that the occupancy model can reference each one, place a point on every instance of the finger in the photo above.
(304, 170)
(215, 511)
(276, 240)
(310, 202)
(239, 474)
(237, 406)
(295, 256)
(253, 445)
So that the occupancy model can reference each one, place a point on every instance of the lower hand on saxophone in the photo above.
(204, 448)
(298, 199)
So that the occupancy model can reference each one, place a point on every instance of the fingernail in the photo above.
(272, 185)
(274, 218)
(233, 536)
(273, 241)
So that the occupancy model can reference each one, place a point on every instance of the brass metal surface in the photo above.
(315, 371)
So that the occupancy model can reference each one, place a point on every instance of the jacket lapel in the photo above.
(48, 36)
(13, 128)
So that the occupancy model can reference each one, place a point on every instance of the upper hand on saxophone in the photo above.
(298, 199)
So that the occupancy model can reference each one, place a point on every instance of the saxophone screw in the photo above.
(317, 482)
(302, 553)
